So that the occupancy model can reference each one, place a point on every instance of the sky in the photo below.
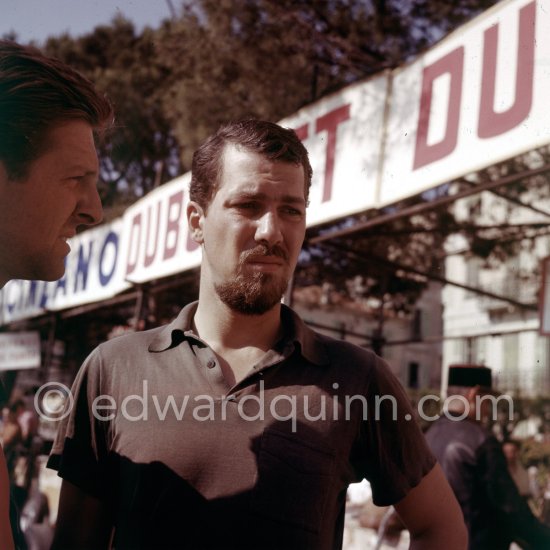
(38, 19)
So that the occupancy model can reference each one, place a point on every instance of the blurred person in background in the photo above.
(12, 435)
(28, 420)
(473, 461)
(49, 118)
(18, 432)
(522, 478)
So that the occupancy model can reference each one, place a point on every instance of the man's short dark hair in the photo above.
(258, 136)
(36, 94)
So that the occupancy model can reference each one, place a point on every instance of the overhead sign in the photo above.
(156, 241)
(475, 99)
(19, 350)
(343, 134)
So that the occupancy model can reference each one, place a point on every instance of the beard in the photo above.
(256, 293)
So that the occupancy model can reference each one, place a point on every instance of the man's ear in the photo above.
(195, 221)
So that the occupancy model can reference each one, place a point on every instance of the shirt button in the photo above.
(211, 364)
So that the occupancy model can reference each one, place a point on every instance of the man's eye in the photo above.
(248, 205)
(290, 211)
(72, 181)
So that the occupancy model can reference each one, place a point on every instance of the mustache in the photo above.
(263, 250)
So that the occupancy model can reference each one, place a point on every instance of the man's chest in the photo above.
(216, 441)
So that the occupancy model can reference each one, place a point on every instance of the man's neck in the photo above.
(238, 340)
(223, 328)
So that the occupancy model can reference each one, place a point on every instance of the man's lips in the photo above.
(67, 234)
(268, 264)
(267, 260)
(65, 237)
(265, 254)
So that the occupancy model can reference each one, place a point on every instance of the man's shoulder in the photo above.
(344, 350)
(355, 363)
(320, 345)
(451, 427)
(132, 342)
(153, 340)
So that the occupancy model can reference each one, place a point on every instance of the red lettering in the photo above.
(175, 204)
(136, 223)
(330, 123)
(490, 123)
(302, 132)
(452, 63)
(149, 257)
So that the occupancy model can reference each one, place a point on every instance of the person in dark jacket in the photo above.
(474, 463)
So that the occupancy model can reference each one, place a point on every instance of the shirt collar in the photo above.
(177, 331)
(311, 346)
(309, 342)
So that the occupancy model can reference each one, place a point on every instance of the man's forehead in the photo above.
(71, 135)
(255, 191)
(245, 162)
(233, 153)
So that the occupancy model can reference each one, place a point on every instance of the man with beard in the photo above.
(214, 431)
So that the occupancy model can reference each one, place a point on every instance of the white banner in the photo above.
(477, 98)
(19, 350)
(343, 135)
(156, 241)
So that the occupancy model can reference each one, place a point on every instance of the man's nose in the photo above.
(89, 208)
(268, 229)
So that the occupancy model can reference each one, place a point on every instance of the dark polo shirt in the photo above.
(183, 460)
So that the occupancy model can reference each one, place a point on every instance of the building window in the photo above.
(413, 375)
(416, 326)
(510, 367)
(472, 275)
(542, 365)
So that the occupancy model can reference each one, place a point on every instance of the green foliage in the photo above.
(142, 151)
(535, 453)
(373, 263)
